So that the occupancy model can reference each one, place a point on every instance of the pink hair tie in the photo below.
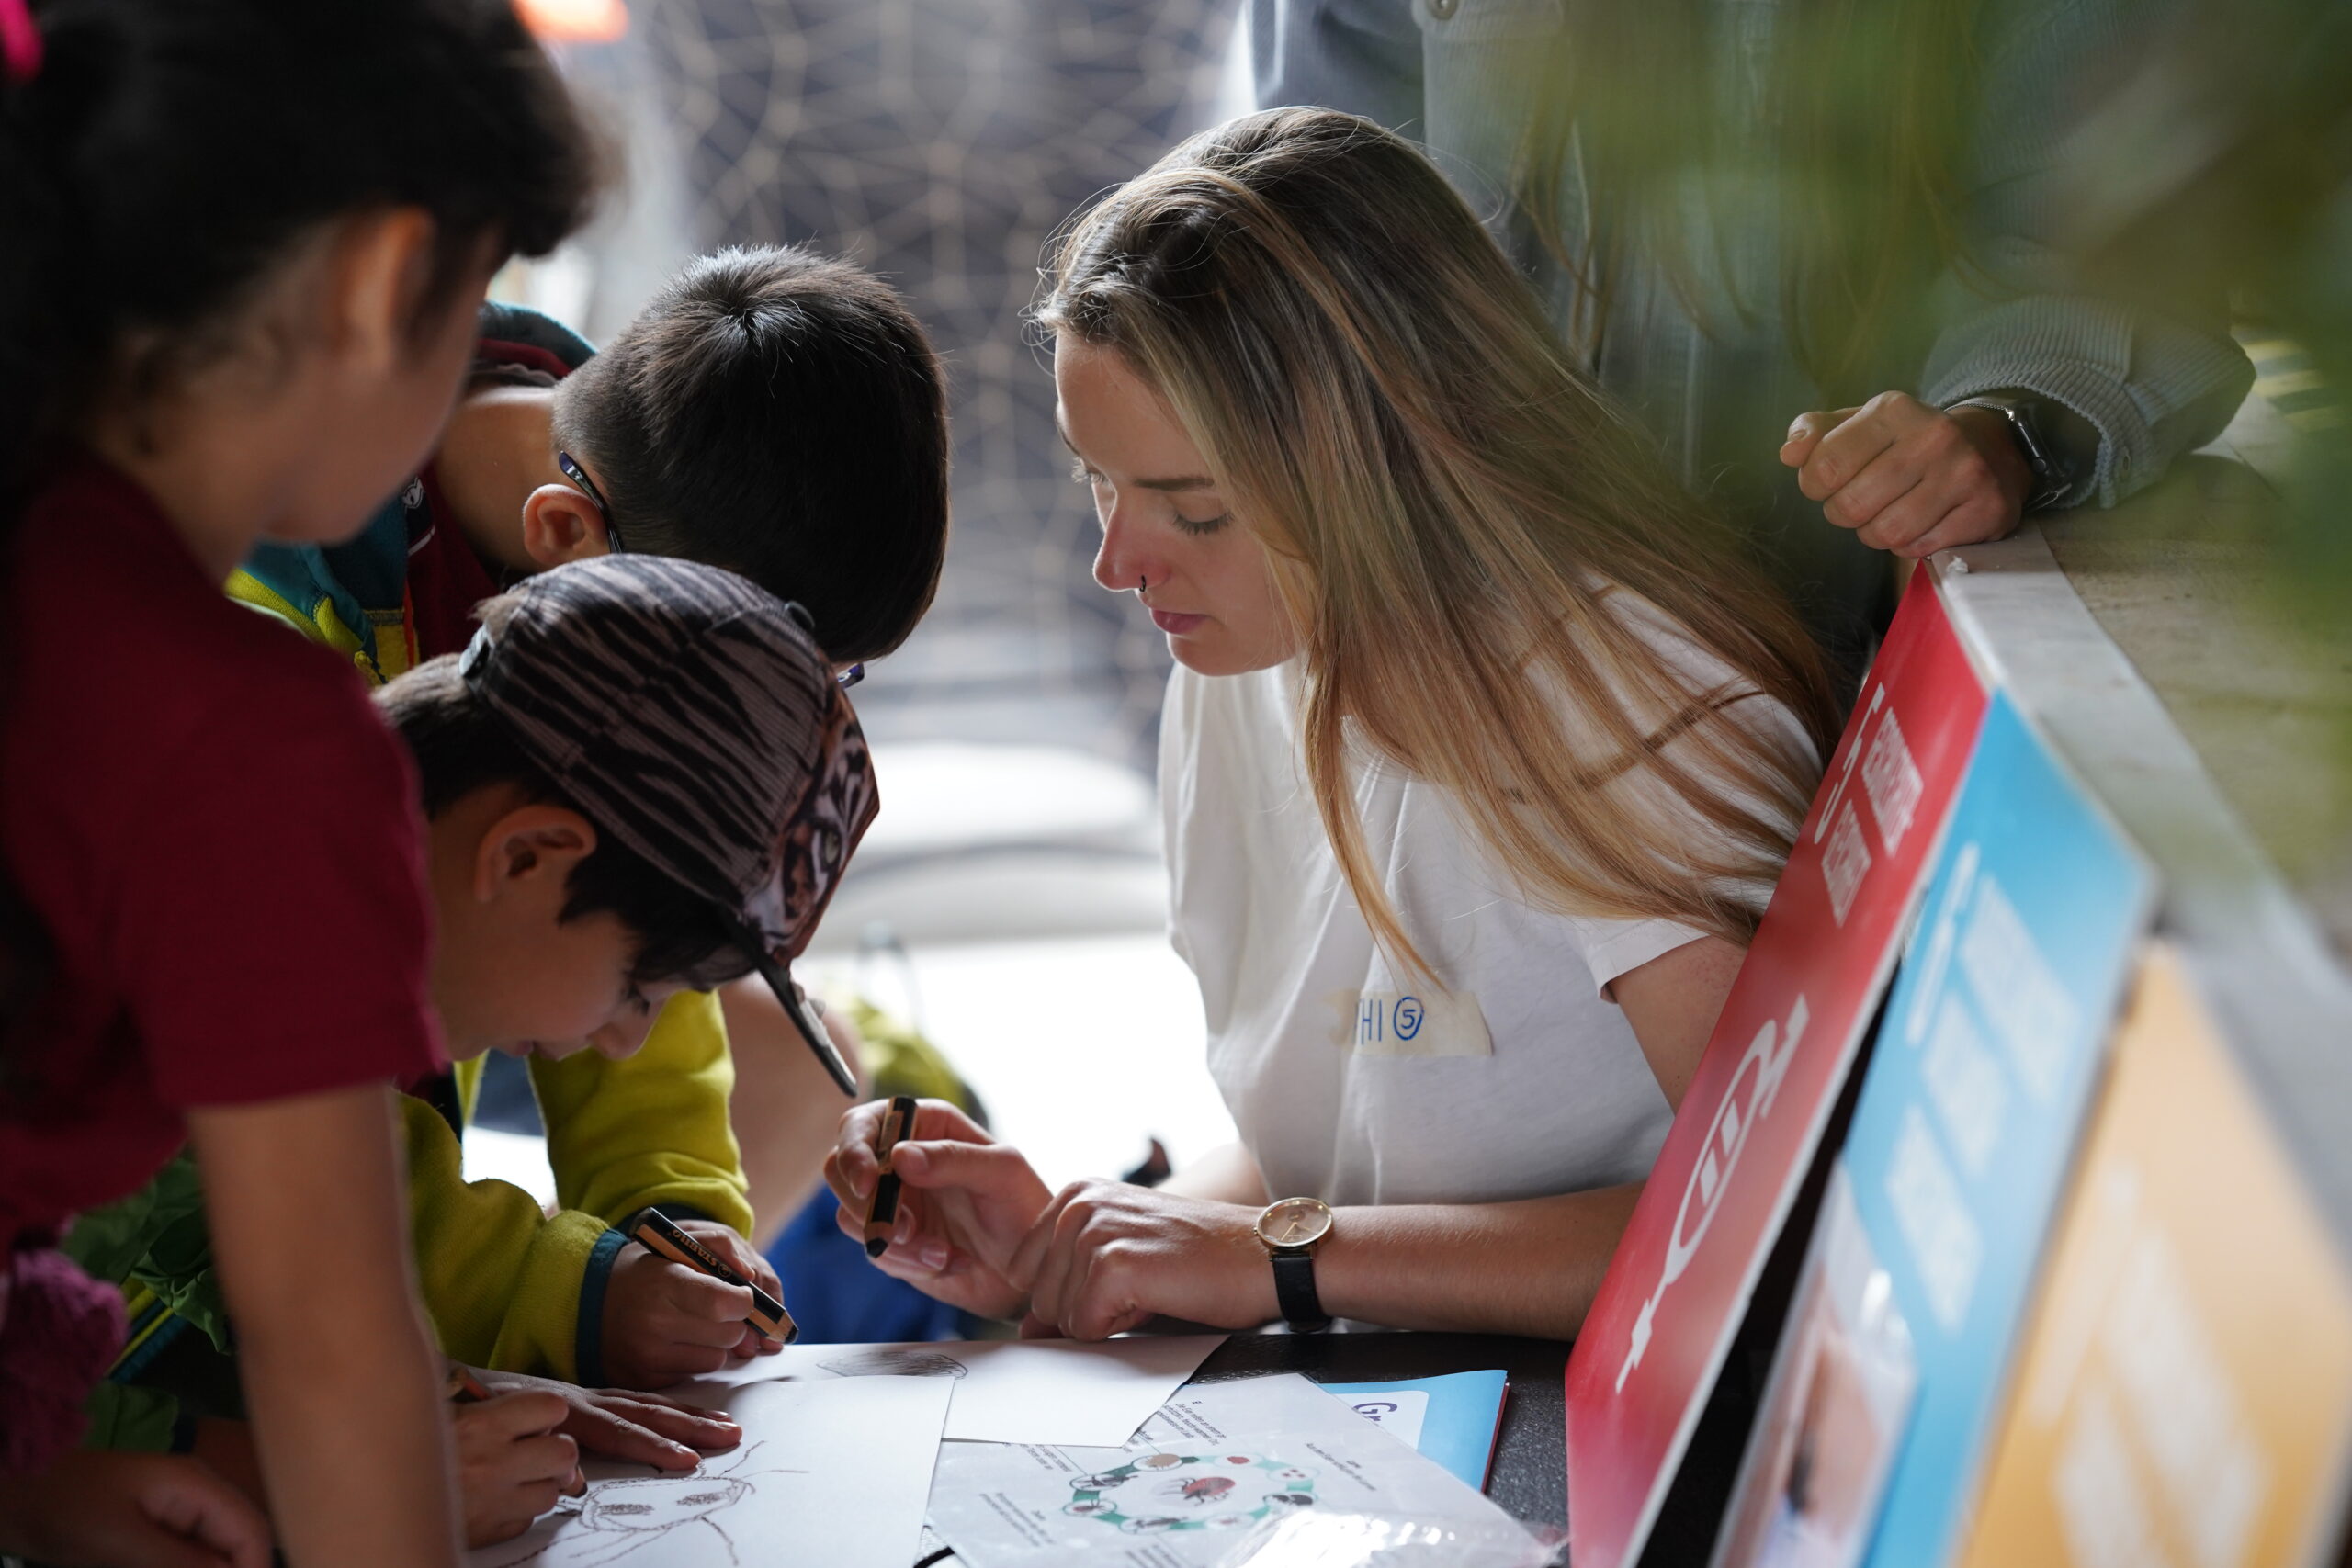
(19, 42)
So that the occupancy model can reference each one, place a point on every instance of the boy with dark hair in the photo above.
(779, 414)
(639, 778)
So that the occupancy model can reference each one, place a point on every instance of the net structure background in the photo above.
(940, 142)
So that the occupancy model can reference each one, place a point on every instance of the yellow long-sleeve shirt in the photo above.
(512, 1287)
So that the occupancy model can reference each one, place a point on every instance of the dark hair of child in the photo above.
(780, 414)
(167, 155)
(461, 747)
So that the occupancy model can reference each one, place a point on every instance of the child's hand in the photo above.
(966, 1202)
(129, 1510)
(642, 1428)
(512, 1462)
(740, 1255)
(665, 1323)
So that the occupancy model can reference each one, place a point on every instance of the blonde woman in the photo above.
(1480, 757)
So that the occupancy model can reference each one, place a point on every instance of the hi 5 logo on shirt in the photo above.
(1746, 1132)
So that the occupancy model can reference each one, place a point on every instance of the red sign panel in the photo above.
(1747, 1130)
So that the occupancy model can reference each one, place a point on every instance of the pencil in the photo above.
(657, 1232)
(883, 1213)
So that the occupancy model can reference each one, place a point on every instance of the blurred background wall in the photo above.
(939, 142)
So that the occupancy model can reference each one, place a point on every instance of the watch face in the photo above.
(1294, 1222)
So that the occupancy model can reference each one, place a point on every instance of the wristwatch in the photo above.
(2030, 422)
(1290, 1231)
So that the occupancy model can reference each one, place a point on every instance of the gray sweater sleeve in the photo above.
(2153, 379)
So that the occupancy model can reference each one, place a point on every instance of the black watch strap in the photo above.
(2049, 436)
(1294, 1292)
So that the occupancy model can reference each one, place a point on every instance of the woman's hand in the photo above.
(1104, 1256)
(966, 1202)
(640, 1428)
(512, 1464)
(125, 1510)
(1909, 477)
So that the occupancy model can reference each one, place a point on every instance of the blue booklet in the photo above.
(1453, 1419)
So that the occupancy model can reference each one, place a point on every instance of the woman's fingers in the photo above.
(853, 1168)
(1047, 1259)
(986, 1170)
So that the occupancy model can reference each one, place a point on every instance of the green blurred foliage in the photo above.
(2226, 160)
(156, 1237)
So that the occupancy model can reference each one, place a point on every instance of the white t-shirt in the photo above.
(1347, 1082)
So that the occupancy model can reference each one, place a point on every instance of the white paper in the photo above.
(1215, 1462)
(1400, 1413)
(1082, 1394)
(828, 1475)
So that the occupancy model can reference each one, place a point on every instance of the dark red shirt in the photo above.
(220, 840)
(445, 578)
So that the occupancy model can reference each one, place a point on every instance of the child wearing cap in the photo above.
(772, 410)
(639, 778)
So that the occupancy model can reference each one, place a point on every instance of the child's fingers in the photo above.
(158, 1548)
(602, 1429)
(697, 1296)
(548, 1460)
(738, 1252)
(205, 1517)
(512, 1415)
(677, 1423)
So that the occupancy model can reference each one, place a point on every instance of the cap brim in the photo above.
(804, 1018)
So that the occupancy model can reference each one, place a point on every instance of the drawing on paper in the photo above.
(1163, 1492)
(613, 1519)
(896, 1361)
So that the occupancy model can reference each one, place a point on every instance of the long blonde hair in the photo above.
(1447, 508)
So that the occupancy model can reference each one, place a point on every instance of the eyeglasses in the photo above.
(579, 476)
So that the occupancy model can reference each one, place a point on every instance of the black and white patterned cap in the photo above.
(688, 713)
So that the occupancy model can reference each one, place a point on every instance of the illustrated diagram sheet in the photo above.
(1212, 1464)
(1013, 1391)
(828, 1475)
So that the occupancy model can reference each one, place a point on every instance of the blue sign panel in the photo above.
(1978, 1089)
